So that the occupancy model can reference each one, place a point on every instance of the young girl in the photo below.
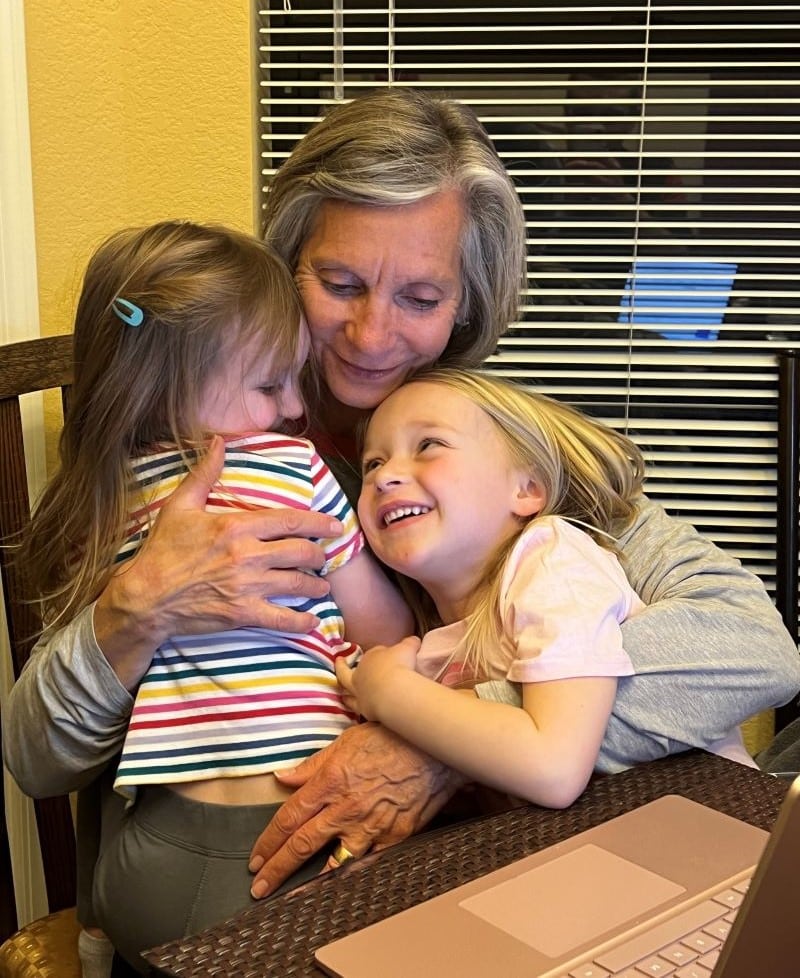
(185, 333)
(497, 504)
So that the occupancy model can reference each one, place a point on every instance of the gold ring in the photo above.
(341, 854)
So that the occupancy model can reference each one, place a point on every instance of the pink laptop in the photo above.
(665, 889)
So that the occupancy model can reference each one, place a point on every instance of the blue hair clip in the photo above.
(129, 313)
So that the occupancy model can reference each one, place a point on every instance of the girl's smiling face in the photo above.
(440, 493)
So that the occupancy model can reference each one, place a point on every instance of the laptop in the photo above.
(671, 888)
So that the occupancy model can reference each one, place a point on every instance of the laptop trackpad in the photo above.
(572, 899)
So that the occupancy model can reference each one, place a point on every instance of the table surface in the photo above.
(278, 937)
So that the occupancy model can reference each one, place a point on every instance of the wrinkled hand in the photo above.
(368, 788)
(372, 674)
(200, 572)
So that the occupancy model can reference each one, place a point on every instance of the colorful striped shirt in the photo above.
(247, 700)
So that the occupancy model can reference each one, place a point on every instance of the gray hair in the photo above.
(397, 146)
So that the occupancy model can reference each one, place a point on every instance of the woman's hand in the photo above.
(371, 675)
(201, 572)
(368, 788)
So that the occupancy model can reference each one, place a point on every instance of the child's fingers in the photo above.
(344, 675)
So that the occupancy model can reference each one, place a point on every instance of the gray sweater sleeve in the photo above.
(66, 715)
(709, 649)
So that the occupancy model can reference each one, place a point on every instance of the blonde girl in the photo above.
(190, 339)
(499, 508)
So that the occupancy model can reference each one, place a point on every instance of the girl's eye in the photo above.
(270, 390)
(369, 465)
(429, 443)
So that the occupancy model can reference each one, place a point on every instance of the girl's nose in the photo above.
(391, 474)
(291, 404)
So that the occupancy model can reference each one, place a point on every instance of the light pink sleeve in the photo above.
(563, 600)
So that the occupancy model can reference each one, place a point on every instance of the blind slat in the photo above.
(656, 150)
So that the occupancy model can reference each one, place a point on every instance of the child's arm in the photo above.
(374, 611)
(544, 752)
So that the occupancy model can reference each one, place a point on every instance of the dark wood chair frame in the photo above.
(28, 367)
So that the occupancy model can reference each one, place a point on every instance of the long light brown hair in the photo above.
(204, 290)
(590, 474)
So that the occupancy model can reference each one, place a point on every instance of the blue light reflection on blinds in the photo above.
(687, 298)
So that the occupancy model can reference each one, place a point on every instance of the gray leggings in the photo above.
(176, 866)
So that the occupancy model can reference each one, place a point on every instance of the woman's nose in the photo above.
(369, 325)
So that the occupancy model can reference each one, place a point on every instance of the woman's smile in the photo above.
(382, 303)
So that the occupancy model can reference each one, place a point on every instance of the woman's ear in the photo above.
(529, 498)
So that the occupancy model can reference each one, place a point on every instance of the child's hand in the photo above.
(372, 674)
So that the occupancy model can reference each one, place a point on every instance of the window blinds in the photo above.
(656, 149)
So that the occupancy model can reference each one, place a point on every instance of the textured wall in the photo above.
(139, 110)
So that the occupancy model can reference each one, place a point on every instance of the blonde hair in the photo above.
(203, 291)
(590, 474)
(396, 146)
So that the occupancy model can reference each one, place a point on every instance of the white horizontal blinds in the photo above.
(660, 138)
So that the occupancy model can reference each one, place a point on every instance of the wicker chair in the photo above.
(44, 948)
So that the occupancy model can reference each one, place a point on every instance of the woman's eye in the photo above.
(340, 288)
(423, 305)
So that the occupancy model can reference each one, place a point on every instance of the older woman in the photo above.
(408, 242)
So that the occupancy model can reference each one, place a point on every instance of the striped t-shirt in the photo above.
(248, 700)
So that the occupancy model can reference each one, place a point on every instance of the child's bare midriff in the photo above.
(256, 789)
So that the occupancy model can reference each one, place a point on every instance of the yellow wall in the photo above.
(139, 110)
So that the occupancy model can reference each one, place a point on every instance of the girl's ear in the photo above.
(529, 498)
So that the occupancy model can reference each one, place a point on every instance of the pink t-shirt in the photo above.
(562, 601)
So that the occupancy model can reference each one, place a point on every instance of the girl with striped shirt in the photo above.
(188, 340)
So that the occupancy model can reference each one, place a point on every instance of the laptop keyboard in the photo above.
(685, 946)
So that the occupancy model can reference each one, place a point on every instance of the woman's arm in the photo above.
(544, 752)
(368, 788)
(66, 715)
(197, 572)
(709, 650)
(373, 609)
(200, 572)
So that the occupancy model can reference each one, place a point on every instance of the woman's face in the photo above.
(381, 287)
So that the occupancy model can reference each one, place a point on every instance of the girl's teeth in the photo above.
(402, 512)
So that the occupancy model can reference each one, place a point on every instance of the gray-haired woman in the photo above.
(408, 244)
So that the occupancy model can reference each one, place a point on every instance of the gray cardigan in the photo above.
(709, 651)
